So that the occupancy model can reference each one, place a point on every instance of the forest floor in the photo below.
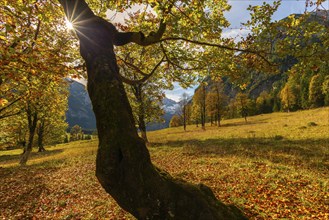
(274, 166)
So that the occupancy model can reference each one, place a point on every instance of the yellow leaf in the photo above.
(3, 102)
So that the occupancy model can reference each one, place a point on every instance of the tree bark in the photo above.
(40, 132)
(184, 116)
(218, 118)
(203, 107)
(142, 126)
(138, 93)
(32, 118)
(123, 165)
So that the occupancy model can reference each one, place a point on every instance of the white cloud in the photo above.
(235, 33)
(176, 93)
(119, 17)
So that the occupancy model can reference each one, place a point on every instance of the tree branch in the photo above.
(132, 66)
(6, 115)
(13, 102)
(258, 53)
(173, 4)
(10, 114)
(175, 64)
(139, 38)
(146, 76)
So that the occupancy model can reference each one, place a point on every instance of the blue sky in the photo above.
(238, 14)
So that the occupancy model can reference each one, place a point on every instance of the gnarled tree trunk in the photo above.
(123, 165)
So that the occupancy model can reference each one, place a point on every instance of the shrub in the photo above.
(312, 124)
(87, 137)
(175, 121)
(66, 139)
(278, 137)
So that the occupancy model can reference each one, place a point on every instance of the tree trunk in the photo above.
(184, 117)
(203, 107)
(141, 113)
(218, 118)
(32, 119)
(123, 165)
(203, 120)
(142, 127)
(40, 132)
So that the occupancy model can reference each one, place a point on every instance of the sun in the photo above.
(69, 24)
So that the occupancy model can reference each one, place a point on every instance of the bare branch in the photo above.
(10, 114)
(132, 66)
(146, 76)
(175, 64)
(258, 53)
(173, 4)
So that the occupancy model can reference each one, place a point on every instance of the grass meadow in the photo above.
(275, 166)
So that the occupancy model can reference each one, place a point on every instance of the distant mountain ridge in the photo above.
(80, 110)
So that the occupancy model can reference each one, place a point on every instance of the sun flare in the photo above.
(69, 24)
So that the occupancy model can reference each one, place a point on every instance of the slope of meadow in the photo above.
(274, 166)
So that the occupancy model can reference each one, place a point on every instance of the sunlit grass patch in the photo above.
(52, 154)
(269, 167)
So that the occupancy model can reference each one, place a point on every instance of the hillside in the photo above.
(80, 109)
(274, 166)
(257, 82)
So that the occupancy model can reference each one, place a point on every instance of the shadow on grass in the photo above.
(22, 189)
(308, 153)
(11, 158)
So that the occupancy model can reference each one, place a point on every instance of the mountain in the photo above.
(80, 109)
(170, 108)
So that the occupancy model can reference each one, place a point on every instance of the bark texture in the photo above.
(32, 118)
(40, 132)
(123, 165)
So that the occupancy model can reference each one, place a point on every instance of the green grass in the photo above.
(274, 166)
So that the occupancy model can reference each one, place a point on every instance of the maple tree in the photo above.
(152, 193)
(51, 126)
(35, 53)
(175, 121)
(76, 133)
(199, 102)
(216, 101)
(188, 38)
(242, 102)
